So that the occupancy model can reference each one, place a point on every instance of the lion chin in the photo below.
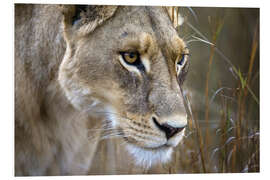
(148, 157)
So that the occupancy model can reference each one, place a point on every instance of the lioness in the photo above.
(84, 73)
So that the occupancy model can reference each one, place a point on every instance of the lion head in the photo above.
(127, 64)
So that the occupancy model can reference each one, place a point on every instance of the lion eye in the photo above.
(180, 62)
(130, 57)
(181, 59)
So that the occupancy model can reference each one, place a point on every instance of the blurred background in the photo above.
(221, 92)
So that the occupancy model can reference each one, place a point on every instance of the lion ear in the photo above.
(81, 20)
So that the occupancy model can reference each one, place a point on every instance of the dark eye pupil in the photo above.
(131, 55)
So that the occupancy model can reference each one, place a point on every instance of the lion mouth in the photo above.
(161, 147)
(135, 142)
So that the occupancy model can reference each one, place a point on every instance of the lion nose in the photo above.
(169, 130)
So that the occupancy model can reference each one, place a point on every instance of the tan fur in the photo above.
(69, 81)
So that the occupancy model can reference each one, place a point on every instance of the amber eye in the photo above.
(130, 57)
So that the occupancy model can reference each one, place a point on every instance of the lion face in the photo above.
(129, 69)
